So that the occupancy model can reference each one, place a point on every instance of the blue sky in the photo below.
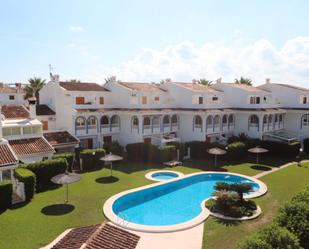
(151, 40)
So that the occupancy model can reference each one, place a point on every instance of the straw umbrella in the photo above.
(216, 152)
(65, 179)
(111, 158)
(257, 151)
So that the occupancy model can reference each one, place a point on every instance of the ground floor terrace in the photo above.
(36, 224)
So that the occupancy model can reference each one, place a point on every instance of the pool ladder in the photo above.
(122, 219)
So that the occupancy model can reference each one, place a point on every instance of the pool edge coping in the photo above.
(149, 175)
(201, 217)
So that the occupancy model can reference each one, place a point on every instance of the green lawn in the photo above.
(282, 185)
(28, 227)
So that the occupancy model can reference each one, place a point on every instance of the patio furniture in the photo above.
(173, 163)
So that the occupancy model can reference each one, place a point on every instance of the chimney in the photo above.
(54, 77)
(18, 87)
(32, 107)
(268, 81)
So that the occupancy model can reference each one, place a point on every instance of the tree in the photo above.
(204, 82)
(241, 189)
(34, 87)
(244, 81)
(222, 186)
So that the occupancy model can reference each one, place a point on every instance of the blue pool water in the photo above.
(173, 202)
(164, 175)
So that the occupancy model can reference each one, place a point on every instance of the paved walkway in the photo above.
(188, 239)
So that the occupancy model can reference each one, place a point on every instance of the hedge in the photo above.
(242, 137)
(198, 149)
(181, 147)
(91, 158)
(45, 170)
(281, 149)
(236, 151)
(306, 145)
(272, 236)
(67, 156)
(28, 178)
(150, 153)
(6, 189)
(114, 148)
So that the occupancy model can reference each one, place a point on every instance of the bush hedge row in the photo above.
(28, 178)
(6, 189)
(91, 158)
(306, 145)
(236, 150)
(114, 148)
(198, 149)
(281, 149)
(45, 170)
(67, 156)
(151, 153)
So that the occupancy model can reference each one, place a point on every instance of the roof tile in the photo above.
(59, 138)
(70, 86)
(6, 155)
(30, 146)
(15, 111)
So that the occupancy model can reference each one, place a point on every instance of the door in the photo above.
(90, 143)
(107, 139)
(45, 125)
(147, 140)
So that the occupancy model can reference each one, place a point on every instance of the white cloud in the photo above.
(76, 29)
(185, 61)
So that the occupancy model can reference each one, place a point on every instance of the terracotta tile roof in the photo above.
(82, 87)
(15, 111)
(76, 237)
(292, 87)
(242, 87)
(6, 155)
(196, 87)
(111, 237)
(42, 110)
(10, 89)
(59, 138)
(30, 146)
(98, 237)
(142, 86)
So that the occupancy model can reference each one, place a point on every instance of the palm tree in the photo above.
(241, 189)
(244, 81)
(33, 88)
(204, 82)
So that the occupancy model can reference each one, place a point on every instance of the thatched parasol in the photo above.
(111, 158)
(257, 151)
(217, 152)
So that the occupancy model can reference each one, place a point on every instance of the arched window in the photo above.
(197, 121)
(146, 121)
(115, 121)
(276, 118)
(156, 121)
(270, 120)
(209, 122)
(280, 117)
(174, 119)
(92, 122)
(134, 122)
(166, 120)
(231, 119)
(217, 120)
(304, 121)
(253, 121)
(104, 121)
(80, 123)
(265, 119)
(224, 120)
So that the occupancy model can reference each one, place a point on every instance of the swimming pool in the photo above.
(172, 205)
(163, 175)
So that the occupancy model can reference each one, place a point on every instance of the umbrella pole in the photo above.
(67, 191)
(257, 158)
(215, 160)
(111, 168)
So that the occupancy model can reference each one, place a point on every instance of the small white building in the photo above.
(12, 94)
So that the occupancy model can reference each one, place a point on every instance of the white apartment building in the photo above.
(12, 94)
(130, 112)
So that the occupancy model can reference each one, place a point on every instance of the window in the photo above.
(156, 98)
(80, 123)
(253, 121)
(305, 120)
(144, 100)
(6, 131)
(255, 100)
(27, 130)
(11, 97)
(79, 100)
(305, 100)
(36, 130)
(215, 98)
(101, 100)
(200, 100)
(45, 125)
(92, 122)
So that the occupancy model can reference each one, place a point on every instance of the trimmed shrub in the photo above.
(181, 147)
(167, 153)
(242, 137)
(281, 149)
(236, 151)
(295, 217)
(6, 190)
(45, 170)
(28, 178)
(67, 156)
(197, 149)
(134, 151)
(271, 236)
(114, 148)
(306, 145)
(91, 158)
(302, 196)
